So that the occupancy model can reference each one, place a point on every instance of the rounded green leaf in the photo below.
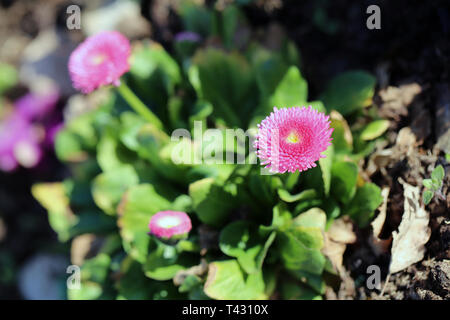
(211, 203)
(226, 281)
(109, 187)
(240, 239)
(438, 173)
(349, 91)
(428, 183)
(343, 180)
(292, 91)
(164, 263)
(366, 200)
(374, 129)
(427, 196)
(300, 249)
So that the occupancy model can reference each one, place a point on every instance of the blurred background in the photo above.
(36, 95)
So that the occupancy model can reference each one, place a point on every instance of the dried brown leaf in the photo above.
(337, 237)
(408, 244)
(379, 245)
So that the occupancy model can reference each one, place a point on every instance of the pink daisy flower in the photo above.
(170, 225)
(100, 60)
(292, 139)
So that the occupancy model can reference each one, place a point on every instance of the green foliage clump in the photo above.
(253, 235)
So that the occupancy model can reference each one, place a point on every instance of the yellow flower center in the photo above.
(98, 59)
(293, 137)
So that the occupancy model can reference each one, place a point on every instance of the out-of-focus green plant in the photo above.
(253, 234)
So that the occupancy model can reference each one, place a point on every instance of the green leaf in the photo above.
(240, 239)
(137, 207)
(282, 218)
(374, 129)
(212, 203)
(427, 196)
(227, 81)
(111, 154)
(312, 280)
(342, 136)
(325, 167)
(109, 187)
(79, 136)
(304, 195)
(200, 111)
(349, 91)
(314, 218)
(366, 200)
(293, 291)
(196, 18)
(269, 70)
(333, 211)
(428, 183)
(264, 187)
(226, 281)
(292, 91)
(231, 18)
(94, 273)
(53, 197)
(150, 57)
(92, 221)
(438, 174)
(343, 180)
(153, 75)
(133, 284)
(164, 263)
(190, 283)
(300, 249)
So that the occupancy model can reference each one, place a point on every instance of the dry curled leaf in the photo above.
(397, 99)
(337, 237)
(379, 245)
(81, 245)
(408, 244)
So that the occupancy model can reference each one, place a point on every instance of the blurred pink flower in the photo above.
(34, 106)
(19, 144)
(29, 130)
(100, 60)
(292, 139)
(168, 224)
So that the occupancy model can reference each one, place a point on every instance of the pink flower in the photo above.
(292, 139)
(19, 144)
(34, 106)
(100, 60)
(170, 224)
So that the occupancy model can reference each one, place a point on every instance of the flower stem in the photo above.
(138, 105)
